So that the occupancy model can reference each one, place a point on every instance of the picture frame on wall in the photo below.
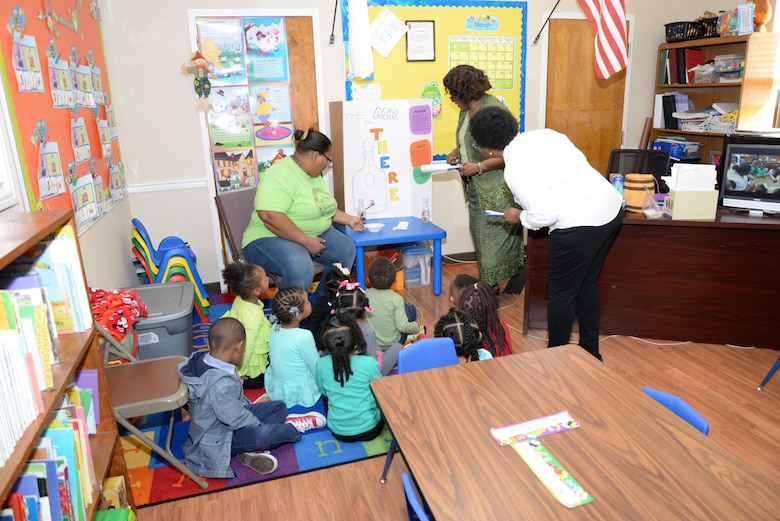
(715, 156)
(420, 41)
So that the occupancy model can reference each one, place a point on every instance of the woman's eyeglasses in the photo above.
(328, 158)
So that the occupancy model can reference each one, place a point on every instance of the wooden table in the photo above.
(416, 231)
(704, 281)
(637, 459)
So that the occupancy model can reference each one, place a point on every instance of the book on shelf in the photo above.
(88, 379)
(56, 261)
(669, 107)
(27, 485)
(673, 69)
(63, 440)
(46, 473)
(693, 57)
(663, 69)
(14, 508)
(724, 107)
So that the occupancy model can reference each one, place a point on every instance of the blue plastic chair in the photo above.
(426, 353)
(413, 506)
(166, 244)
(769, 375)
(681, 408)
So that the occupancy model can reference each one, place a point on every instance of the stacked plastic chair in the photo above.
(171, 261)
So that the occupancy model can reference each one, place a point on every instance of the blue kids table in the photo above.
(416, 231)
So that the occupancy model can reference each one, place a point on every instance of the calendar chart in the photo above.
(495, 56)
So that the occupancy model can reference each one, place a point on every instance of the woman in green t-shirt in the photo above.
(292, 224)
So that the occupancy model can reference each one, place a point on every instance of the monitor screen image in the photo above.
(750, 174)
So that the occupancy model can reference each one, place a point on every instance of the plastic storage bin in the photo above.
(167, 330)
(417, 264)
(728, 62)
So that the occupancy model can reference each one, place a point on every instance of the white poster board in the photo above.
(385, 142)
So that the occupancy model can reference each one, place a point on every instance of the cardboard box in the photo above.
(698, 206)
(368, 257)
(114, 494)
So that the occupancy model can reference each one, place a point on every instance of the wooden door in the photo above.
(588, 110)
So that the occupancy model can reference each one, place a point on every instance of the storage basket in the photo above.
(709, 27)
(635, 189)
(680, 31)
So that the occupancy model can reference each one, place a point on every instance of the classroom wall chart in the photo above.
(415, 44)
(385, 143)
(53, 70)
(249, 115)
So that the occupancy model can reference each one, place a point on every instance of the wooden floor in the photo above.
(719, 381)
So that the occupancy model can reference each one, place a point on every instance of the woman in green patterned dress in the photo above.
(498, 244)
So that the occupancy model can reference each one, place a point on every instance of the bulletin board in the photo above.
(490, 35)
(262, 67)
(54, 73)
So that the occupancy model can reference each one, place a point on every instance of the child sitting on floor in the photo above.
(249, 282)
(481, 302)
(219, 411)
(290, 377)
(344, 376)
(351, 298)
(323, 306)
(464, 332)
(393, 319)
(458, 283)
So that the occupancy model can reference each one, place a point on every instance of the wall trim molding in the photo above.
(191, 184)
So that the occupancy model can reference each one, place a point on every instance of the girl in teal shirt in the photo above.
(344, 377)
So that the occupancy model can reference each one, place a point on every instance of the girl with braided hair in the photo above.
(344, 377)
(293, 354)
(480, 301)
(462, 328)
(351, 298)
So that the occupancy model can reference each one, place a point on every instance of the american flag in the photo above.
(607, 19)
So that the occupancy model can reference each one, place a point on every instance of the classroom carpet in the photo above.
(154, 481)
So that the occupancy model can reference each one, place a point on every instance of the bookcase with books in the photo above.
(754, 91)
(39, 390)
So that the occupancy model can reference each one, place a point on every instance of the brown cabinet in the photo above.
(755, 94)
(18, 233)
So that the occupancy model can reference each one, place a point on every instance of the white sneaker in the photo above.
(262, 462)
(307, 422)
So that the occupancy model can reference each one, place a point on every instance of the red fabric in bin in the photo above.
(117, 310)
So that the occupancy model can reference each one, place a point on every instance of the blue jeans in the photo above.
(293, 262)
(271, 432)
(411, 314)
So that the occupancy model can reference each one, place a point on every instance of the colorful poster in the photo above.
(117, 183)
(62, 96)
(81, 80)
(385, 143)
(79, 140)
(268, 156)
(266, 49)
(273, 135)
(97, 86)
(51, 180)
(27, 64)
(222, 44)
(229, 118)
(270, 103)
(84, 202)
(105, 137)
(235, 169)
(111, 119)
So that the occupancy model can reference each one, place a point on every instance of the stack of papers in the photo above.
(687, 177)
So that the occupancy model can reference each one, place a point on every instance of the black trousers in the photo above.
(575, 258)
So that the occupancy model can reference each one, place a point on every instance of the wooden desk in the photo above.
(637, 459)
(704, 281)
(417, 231)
